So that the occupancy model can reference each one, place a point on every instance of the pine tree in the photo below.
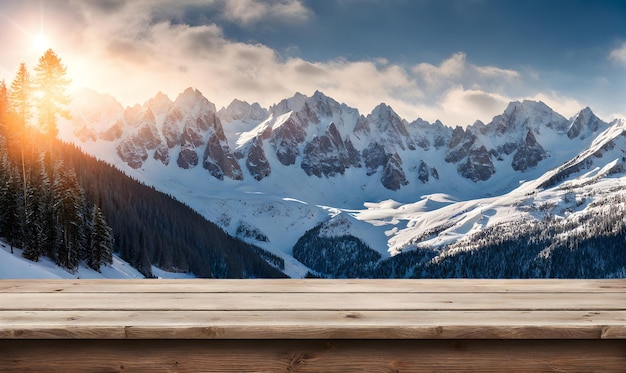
(20, 97)
(39, 219)
(101, 241)
(11, 214)
(69, 207)
(51, 84)
(20, 104)
(4, 107)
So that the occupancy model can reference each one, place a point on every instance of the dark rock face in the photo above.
(362, 126)
(576, 127)
(187, 158)
(353, 155)
(393, 176)
(529, 154)
(423, 143)
(147, 134)
(256, 161)
(134, 149)
(424, 172)
(171, 132)
(219, 160)
(459, 145)
(286, 140)
(440, 141)
(329, 155)
(585, 120)
(134, 154)
(478, 166)
(162, 154)
(508, 148)
(375, 157)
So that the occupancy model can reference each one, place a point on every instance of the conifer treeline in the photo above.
(44, 208)
(151, 228)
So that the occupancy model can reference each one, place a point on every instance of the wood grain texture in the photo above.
(314, 301)
(313, 309)
(277, 356)
(313, 286)
(312, 324)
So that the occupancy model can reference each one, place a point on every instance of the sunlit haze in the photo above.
(456, 61)
(41, 43)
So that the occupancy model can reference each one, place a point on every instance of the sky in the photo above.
(453, 60)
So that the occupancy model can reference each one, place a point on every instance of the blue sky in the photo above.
(454, 60)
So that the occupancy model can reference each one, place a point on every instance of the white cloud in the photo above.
(449, 69)
(456, 69)
(132, 50)
(618, 55)
(249, 12)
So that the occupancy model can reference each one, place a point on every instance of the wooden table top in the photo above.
(312, 309)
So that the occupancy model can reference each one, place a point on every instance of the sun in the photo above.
(41, 42)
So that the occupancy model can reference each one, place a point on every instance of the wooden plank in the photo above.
(312, 325)
(312, 356)
(319, 285)
(314, 301)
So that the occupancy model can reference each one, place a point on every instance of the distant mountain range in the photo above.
(310, 169)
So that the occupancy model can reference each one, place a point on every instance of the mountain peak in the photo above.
(584, 123)
(528, 114)
(323, 105)
(190, 91)
(242, 110)
(383, 111)
(319, 95)
(527, 106)
(193, 98)
(160, 102)
(294, 103)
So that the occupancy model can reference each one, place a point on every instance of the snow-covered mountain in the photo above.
(309, 163)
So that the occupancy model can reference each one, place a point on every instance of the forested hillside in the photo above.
(152, 228)
(60, 203)
(589, 246)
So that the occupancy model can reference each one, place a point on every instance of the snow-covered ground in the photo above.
(14, 266)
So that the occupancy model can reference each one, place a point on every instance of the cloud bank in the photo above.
(133, 49)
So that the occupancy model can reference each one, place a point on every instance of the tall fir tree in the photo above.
(4, 108)
(39, 219)
(20, 105)
(20, 97)
(11, 214)
(69, 205)
(100, 242)
(51, 85)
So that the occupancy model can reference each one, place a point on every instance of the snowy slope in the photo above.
(14, 266)
(575, 188)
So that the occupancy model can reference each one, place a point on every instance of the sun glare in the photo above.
(41, 42)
